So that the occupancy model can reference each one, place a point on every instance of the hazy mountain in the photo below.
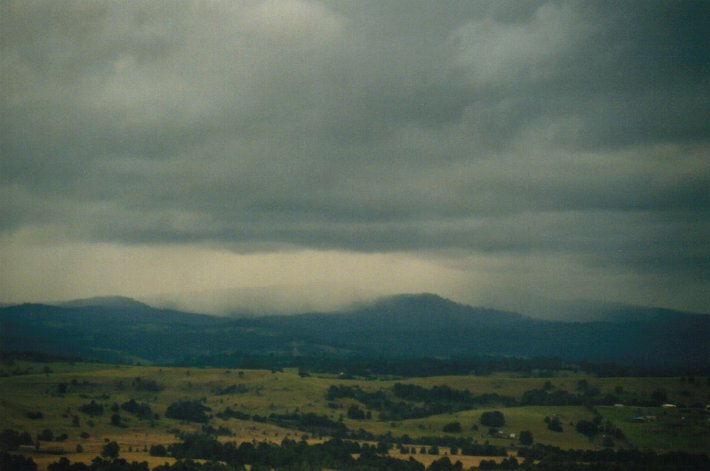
(581, 310)
(120, 302)
(266, 300)
(400, 326)
(427, 325)
(113, 332)
(402, 313)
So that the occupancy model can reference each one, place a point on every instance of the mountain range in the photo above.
(403, 326)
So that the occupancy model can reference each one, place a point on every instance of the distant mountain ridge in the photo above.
(121, 302)
(582, 310)
(419, 325)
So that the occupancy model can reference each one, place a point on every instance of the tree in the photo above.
(193, 411)
(92, 409)
(11, 439)
(586, 427)
(554, 424)
(354, 412)
(453, 427)
(444, 464)
(526, 437)
(116, 420)
(659, 396)
(141, 410)
(110, 450)
(16, 462)
(493, 419)
(158, 450)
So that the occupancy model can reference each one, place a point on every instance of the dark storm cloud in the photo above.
(520, 127)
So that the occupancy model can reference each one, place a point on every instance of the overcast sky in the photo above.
(481, 150)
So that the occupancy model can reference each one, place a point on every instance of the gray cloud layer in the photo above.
(496, 127)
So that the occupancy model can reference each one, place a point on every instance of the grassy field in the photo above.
(664, 429)
(258, 392)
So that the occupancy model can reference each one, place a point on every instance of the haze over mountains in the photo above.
(413, 326)
(267, 300)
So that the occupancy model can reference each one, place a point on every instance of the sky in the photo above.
(486, 151)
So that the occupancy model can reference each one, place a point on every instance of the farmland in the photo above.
(86, 405)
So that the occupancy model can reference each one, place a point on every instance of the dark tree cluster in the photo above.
(553, 458)
(526, 438)
(233, 389)
(334, 454)
(11, 439)
(310, 422)
(191, 411)
(229, 413)
(354, 412)
(466, 446)
(592, 428)
(92, 409)
(453, 427)
(158, 450)
(16, 462)
(493, 419)
(554, 424)
(98, 464)
(141, 384)
(368, 367)
(407, 401)
(141, 410)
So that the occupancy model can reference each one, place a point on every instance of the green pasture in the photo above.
(285, 392)
(668, 429)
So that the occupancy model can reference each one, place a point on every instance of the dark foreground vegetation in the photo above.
(351, 455)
